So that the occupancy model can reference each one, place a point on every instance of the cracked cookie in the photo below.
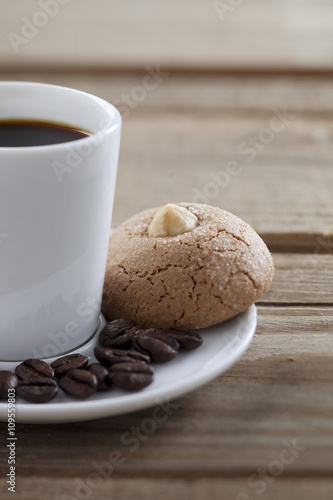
(184, 266)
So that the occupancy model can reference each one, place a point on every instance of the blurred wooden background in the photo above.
(223, 71)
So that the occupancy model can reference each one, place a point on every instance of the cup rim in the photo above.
(107, 106)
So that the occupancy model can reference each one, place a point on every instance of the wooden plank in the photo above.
(301, 279)
(192, 33)
(232, 426)
(183, 151)
(173, 157)
(184, 148)
(289, 344)
(209, 94)
(276, 488)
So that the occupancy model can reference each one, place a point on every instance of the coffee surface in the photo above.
(25, 133)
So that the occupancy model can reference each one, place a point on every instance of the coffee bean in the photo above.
(39, 390)
(34, 369)
(131, 376)
(188, 341)
(157, 344)
(117, 333)
(108, 356)
(79, 383)
(124, 367)
(67, 363)
(101, 373)
(8, 380)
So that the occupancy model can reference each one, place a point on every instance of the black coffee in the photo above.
(23, 133)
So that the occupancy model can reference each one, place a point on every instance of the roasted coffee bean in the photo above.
(79, 383)
(131, 376)
(67, 363)
(187, 341)
(101, 373)
(34, 369)
(108, 356)
(8, 380)
(39, 390)
(157, 344)
(118, 334)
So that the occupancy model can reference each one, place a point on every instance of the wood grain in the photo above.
(205, 93)
(177, 157)
(254, 34)
(180, 152)
(279, 488)
(302, 279)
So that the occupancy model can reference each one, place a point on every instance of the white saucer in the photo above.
(222, 345)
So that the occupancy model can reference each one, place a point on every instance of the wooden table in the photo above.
(264, 429)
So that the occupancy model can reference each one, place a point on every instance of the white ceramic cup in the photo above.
(55, 214)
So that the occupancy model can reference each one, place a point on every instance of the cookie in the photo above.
(211, 268)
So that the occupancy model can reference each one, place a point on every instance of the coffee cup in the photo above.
(55, 214)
